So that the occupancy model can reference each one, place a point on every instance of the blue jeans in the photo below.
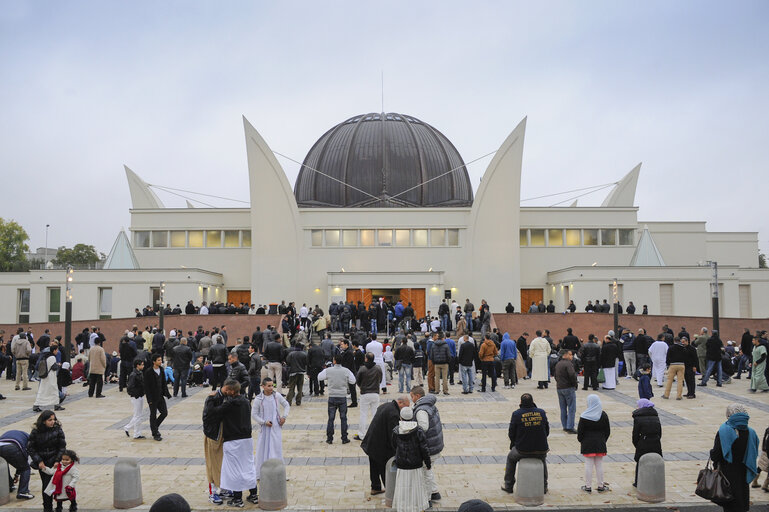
(567, 399)
(711, 366)
(468, 379)
(335, 403)
(373, 326)
(18, 460)
(469, 320)
(404, 374)
(444, 323)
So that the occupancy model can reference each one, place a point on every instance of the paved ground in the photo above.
(336, 477)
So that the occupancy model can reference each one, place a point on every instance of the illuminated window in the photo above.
(178, 239)
(537, 237)
(626, 237)
(317, 237)
(367, 237)
(246, 234)
(332, 237)
(350, 237)
(590, 236)
(160, 239)
(402, 237)
(232, 238)
(555, 237)
(195, 238)
(608, 237)
(141, 239)
(213, 238)
(453, 237)
(524, 237)
(385, 237)
(572, 237)
(105, 303)
(437, 237)
(420, 237)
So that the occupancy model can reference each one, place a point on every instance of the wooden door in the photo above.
(417, 298)
(359, 294)
(367, 296)
(239, 296)
(529, 295)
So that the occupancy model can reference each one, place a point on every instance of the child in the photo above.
(644, 382)
(62, 485)
(763, 463)
(196, 378)
(411, 453)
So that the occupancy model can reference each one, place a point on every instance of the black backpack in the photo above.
(42, 367)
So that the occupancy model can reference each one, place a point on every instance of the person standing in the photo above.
(135, 390)
(97, 365)
(45, 447)
(758, 376)
(273, 353)
(21, 350)
(255, 371)
(404, 361)
(378, 439)
(238, 467)
(296, 361)
(266, 413)
(593, 431)
(338, 378)
(156, 391)
(466, 358)
(676, 360)
(486, 354)
(411, 455)
(566, 386)
(429, 420)
(376, 348)
(734, 452)
(440, 354)
(714, 346)
(182, 357)
(700, 343)
(539, 352)
(348, 361)
(369, 377)
(642, 343)
(690, 368)
(609, 355)
(469, 308)
(658, 353)
(48, 388)
(628, 354)
(647, 432)
(128, 353)
(212, 444)
(528, 432)
(508, 353)
(13, 448)
(316, 362)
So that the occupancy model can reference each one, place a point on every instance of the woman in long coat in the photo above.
(48, 388)
(647, 432)
(758, 376)
(734, 452)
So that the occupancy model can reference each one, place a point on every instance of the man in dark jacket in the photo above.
(212, 430)
(378, 442)
(296, 361)
(237, 371)
(714, 346)
(570, 342)
(242, 350)
(218, 356)
(273, 353)
(745, 360)
(182, 357)
(127, 354)
(404, 361)
(368, 378)
(156, 391)
(528, 433)
(135, 389)
(316, 361)
(466, 358)
(590, 354)
(641, 346)
(348, 361)
(254, 371)
(566, 385)
(13, 448)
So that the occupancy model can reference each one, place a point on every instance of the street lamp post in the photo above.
(162, 305)
(68, 315)
(714, 294)
(45, 260)
(615, 301)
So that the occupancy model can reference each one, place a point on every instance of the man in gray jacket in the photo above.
(338, 378)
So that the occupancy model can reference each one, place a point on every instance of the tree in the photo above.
(81, 255)
(13, 245)
(762, 260)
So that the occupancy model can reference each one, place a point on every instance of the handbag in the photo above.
(601, 376)
(713, 485)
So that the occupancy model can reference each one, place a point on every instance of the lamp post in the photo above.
(714, 294)
(162, 305)
(45, 261)
(615, 301)
(68, 315)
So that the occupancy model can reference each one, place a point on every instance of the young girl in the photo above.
(593, 431)
(62, 485)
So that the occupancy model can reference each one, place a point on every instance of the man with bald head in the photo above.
(378, 442)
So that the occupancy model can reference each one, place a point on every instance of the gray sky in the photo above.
(161, 86)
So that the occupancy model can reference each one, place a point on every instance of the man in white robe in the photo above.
(376, 348)
(48, 389)
(539, 352)
(265, 412)
(238, 470)
(658, 352)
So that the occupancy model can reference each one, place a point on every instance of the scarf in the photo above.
(58, 478)
(727, 432)
(644, 403)
(594, 408)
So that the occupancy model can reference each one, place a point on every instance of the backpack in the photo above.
(42, 367)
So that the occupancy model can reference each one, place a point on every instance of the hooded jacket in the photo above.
(647, 431)
(411, 450)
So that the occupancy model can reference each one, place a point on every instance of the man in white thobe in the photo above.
(658, 352)
(48, 389)
(539, 352)
(377, 349)
(266, 414)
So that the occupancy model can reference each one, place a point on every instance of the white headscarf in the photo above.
(594, 408)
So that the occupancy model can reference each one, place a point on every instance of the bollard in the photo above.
(5, 491)
(391, 474)
(127, 483)
(273, 494)
(530, 483)
(651, 478)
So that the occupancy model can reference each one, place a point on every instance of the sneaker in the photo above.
(345, 441)
(586, 488)
(236, 503)
(25, 496)
(253, 498)
(58, 408)
(224, 493)
(215, 499)
(140, 437)
(507, 490)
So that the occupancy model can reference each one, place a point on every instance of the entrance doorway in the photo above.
(529, 295)
(239, 297)
(392, 295)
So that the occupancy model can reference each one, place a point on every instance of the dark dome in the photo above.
(383, 160)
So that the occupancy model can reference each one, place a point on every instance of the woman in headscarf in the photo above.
(758, 376)
(734, 452)
(592, 432)
(763, 463)
(647, 432)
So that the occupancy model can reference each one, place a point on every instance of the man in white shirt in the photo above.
(435, 324)
(203, 309)
(658, 352)
(376, 348)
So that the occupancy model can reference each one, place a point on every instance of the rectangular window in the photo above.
(626, 237)
(332, 238)
(608, 237)
(232, 238)
(367, 238)
(420, 237)
(213, 238)
(246, 238)
(590, 236)
(385, 237)
(23, 305)
(178, 239)
(453, 237)
(350, 237)
(555, 237)
(317, 237)
(402, 237)
(537, 237)
(141, 239)
(572, 237)
(155, 297)
(160, 239)
(437, 237)
(524, 237)
(195, 238)
(105, 303)
(54, 304)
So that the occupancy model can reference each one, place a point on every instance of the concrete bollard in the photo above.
(651, 478)
(530, 483)
(127, 483)
(5, 491)
(273, 494)
(391, 474)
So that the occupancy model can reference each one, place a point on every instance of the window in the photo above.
(608, 237)
(23, 305)
(555, 237)
(537, 237)
(195, 238)
(350, 237)
(213, 238)
(367, 238)
(54, 304)
(232, 238)
(437, 237)
(453, 237)
(155, 297)
(160, 239)
(385, 237)
(178, 239)
(246, 236)
(317, 237)
(332, 237)
(572, 237)
(420, 237)
(142, 239)
(626, 237)
(590, 236)
(402, 237)
(524, 237)
(105, 303)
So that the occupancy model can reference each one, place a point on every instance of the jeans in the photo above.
(155, 419)
(744, 365)
(404, 374)
(180, 378)
(373, 326)
(334, 404)
(275, 372)
(711, 366)
(16, 459)
(567, 399)
(590, 376)
(675, 370)
(469, 320)
(253, 387)
(468, 379)
(512, 463)
(444, 323)
(21, 373)
(487, 368)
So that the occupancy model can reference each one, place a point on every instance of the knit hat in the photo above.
(407, 414)
(170, 503)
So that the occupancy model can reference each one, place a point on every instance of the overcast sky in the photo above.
(161, 87)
